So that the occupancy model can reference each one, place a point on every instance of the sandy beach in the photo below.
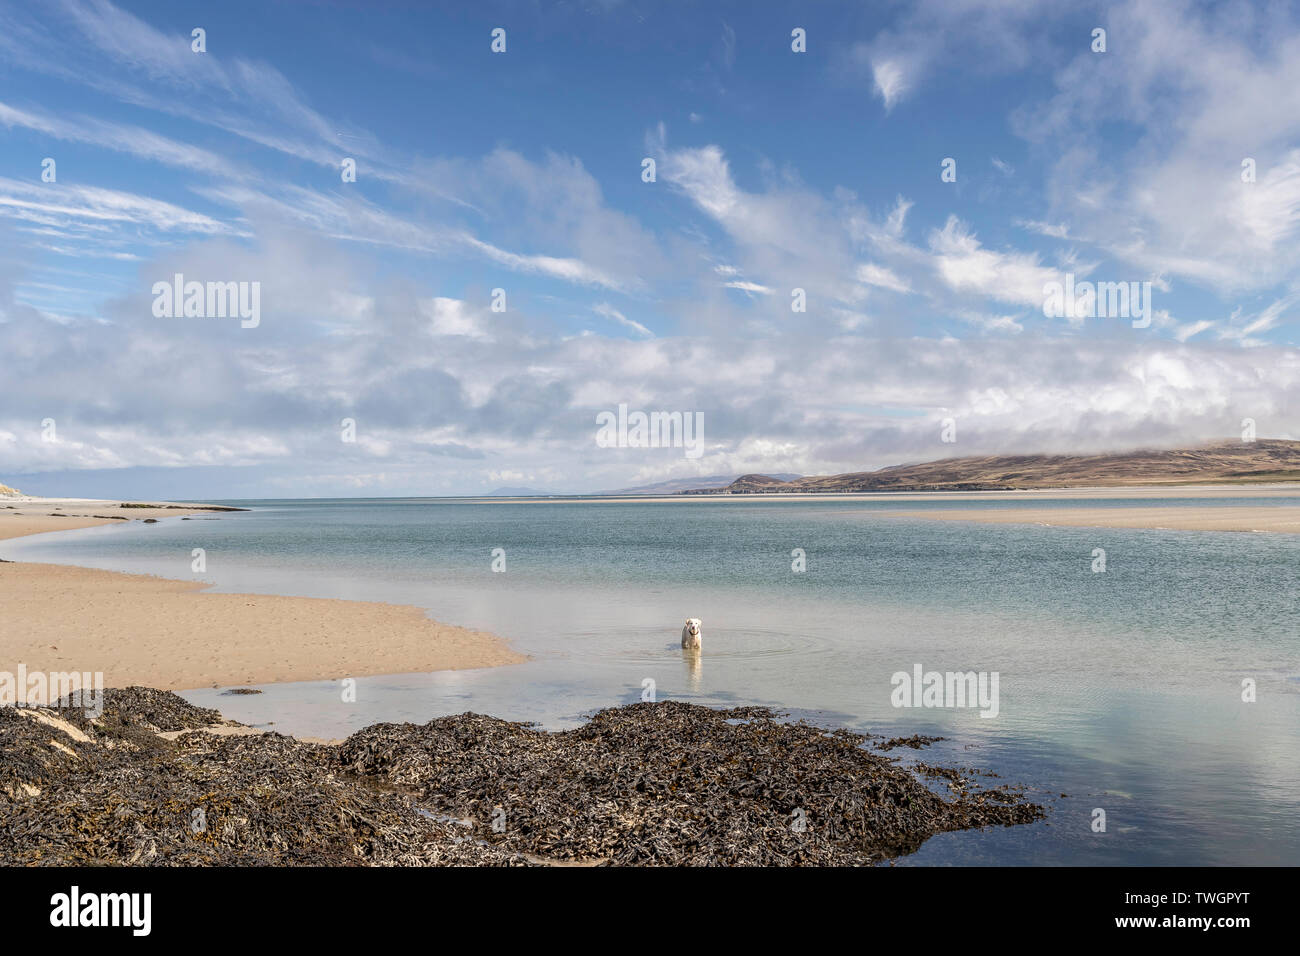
(139, 629)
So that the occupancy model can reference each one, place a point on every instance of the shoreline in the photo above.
(174, 635)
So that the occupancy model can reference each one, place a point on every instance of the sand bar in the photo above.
(1026, 495)
(139, 629)
(1030, 506)
(1276, 518)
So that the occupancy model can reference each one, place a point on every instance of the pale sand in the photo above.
(1028, 495)
(1283, 518)
(138, 629)
(1028, 510)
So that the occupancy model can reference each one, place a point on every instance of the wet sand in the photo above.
(140, 629)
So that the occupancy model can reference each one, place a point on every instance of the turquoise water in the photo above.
(1120, 690)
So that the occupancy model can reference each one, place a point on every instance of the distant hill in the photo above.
(8, 492)
(677, 485)
(1225, 462)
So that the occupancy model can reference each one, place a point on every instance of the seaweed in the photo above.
(154, 780)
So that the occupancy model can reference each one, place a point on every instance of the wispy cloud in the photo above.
(609, 312)
(122, 138)
(56, 204)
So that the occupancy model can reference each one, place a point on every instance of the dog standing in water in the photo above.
(691, 634)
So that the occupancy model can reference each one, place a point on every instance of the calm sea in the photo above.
(1119, 691)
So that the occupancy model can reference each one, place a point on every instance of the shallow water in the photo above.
(1120, 689)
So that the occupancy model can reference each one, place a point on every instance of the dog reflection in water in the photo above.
(691, 635)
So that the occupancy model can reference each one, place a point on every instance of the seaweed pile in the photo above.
(674, 783)
(663, 783)
(81, 791)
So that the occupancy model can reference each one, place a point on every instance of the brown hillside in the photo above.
(1263, 460)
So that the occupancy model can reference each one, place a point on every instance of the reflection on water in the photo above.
(694, 660)
(1119, 690)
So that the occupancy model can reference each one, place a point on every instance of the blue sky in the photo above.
(521, 171)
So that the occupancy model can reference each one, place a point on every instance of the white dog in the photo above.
(691, 633)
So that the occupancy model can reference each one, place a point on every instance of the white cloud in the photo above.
(888, 78)
(1202, 92)
(704, 176)
(453, 317)
(744, 286)
(966, 266)
(989, 36)
(609, 312)
(1049, 229)
(873, 274)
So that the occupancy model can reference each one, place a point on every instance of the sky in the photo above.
(504, 268)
